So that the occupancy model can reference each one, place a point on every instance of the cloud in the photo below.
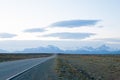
(33, 30)
(110, 39)
(66, 35)
(75, 23)
(7, 35)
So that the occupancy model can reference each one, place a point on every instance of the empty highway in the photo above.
(12, 68)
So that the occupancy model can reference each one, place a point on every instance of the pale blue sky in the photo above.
(17, 17)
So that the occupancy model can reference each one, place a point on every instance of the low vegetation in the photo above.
(11, 57)
(88, 67)
(66, 71)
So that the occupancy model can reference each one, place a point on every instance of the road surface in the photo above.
(10, 69)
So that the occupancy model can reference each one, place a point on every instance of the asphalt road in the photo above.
(12, 68)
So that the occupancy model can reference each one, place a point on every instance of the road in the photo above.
(12, 68)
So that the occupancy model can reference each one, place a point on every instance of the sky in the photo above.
(68, 24)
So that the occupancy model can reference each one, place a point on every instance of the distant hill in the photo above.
(48, 49)
(103, 49)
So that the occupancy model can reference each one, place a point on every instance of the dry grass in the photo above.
(11, 57)
(94, 67)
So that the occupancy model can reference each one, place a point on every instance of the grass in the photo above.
(68, 72)
(88, 67)
(11, 57)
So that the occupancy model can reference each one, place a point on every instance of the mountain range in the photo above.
(103, 49)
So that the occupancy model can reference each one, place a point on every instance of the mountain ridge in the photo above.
(103, 49)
